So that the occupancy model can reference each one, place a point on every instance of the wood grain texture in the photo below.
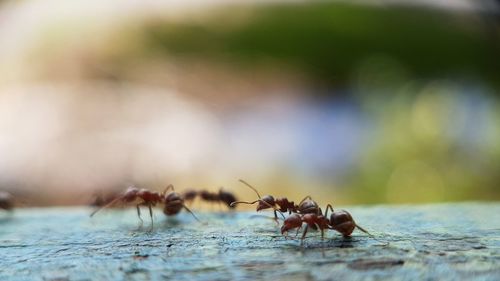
(433, 242)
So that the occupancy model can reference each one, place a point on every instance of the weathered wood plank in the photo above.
(433, 242)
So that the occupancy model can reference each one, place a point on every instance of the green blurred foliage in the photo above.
(430, 145)
(416, 153)
(327, 40)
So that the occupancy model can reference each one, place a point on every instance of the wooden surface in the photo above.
(432, 242)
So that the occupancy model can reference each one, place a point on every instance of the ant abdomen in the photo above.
(309, 207)
(173, 204)
(227, 198)
(6, 201)
(342, 222)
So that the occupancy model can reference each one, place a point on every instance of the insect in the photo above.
(222, 196)
(341, 221)
(6, 201)
(173, 202)
(282, 205)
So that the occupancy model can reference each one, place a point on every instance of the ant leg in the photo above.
(322, 231)
(305, 198)
(297, 233)
(170, 186)
(139, 215)
(304, 234)
(151, 216)
(276, 218)
(187, 209)
(328, 207)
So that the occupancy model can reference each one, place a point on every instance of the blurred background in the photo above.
(351, 102)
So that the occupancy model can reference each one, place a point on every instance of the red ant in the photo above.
(306, 206)
(341, 221)
(6, 201)
(143, 197)
(222, 196)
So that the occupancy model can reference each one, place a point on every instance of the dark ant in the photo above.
(6, 201)
(143, 197)
(221, 196)
(282, 205)
(340, 221)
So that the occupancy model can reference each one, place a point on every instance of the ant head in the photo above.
(293, 221)
(266, 202)
(342, 222)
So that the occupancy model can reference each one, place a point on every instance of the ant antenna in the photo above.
(253, 188)
(364, 230)
(326, 209)
(187, 209)
(107, 205)
(170, 186)
(243, 202)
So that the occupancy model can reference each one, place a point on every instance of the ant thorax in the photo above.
(285, 205)
(343, 222)
(149, 196)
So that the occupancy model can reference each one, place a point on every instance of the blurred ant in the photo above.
(102, 199)
(174, 203)
(282, 205)
(340, 221)
(221, 196)
(143, 197)
(6, 201)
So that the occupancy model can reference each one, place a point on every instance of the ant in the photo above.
(6, 201)
(143, 197)
(341, 221)
(282, 205)
(221, 196)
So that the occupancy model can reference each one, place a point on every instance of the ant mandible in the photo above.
(283, 205)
